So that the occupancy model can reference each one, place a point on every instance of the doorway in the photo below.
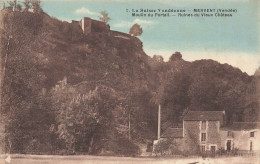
(251, 146)
(228, 145)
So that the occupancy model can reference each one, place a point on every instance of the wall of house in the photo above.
(192, 135)
(179, 144)
(213, 135)
(191, 140)
(241, 140)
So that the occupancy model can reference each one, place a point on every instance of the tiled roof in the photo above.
(173, 133)
(238, 126)
(204, 115)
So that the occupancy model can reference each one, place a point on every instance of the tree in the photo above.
(164, 146)
(27, 5)
(81, 115)
(19, 7)
(104, 17)
(136, 30)
(176, 56)
(12, 3)
(36, 6)
(3, 5)
(158, 58)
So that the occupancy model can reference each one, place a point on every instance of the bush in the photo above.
(222, 151)
(234, 151)
(164, 146)
(149, 147)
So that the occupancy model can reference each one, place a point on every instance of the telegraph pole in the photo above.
(159, 121)
(129, 126)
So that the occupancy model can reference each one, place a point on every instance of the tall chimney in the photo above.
(159, 122)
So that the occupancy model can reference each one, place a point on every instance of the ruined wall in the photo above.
(120, 35)
(85, 25)
(76, 31)
(89, 25)
(98, 26)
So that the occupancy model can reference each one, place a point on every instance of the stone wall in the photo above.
(76, 32)
(192, 135)
(120, 35)
(213, 135)
(89, 25)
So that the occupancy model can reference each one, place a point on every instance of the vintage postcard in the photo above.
(129, 81)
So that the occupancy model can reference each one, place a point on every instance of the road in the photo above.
(47, 159)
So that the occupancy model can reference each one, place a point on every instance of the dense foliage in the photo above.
(136, 30)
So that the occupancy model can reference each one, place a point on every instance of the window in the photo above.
(203, 125)
(229, 134)
(213, 148)
(252, 134)
(203, 136)
(203, 148)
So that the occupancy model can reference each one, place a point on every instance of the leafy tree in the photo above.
(158, 58)
(25, 110)
(81, 115)
(12, 3)
(36, 6)
(19, 7)
(4, 5)
(27, 118)
(104, 17)
(164, 146)
(136, 30)
(27, 5)
(176, 56)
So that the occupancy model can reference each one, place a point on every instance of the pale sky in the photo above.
(234, 40)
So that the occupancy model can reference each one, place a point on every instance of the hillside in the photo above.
(74, 93)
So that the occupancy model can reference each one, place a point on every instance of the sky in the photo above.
(234, 40)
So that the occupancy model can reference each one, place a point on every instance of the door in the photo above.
(251, 146)
(228, 145)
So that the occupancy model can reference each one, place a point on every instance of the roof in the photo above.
(239, 126)
(167, 124)
(173, 133)
(204, 116)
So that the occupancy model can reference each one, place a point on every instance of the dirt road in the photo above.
(45, 159)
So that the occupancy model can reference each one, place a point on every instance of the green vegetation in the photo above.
(164, 146)
(104, 17)
(136, 30)
(35, 5)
